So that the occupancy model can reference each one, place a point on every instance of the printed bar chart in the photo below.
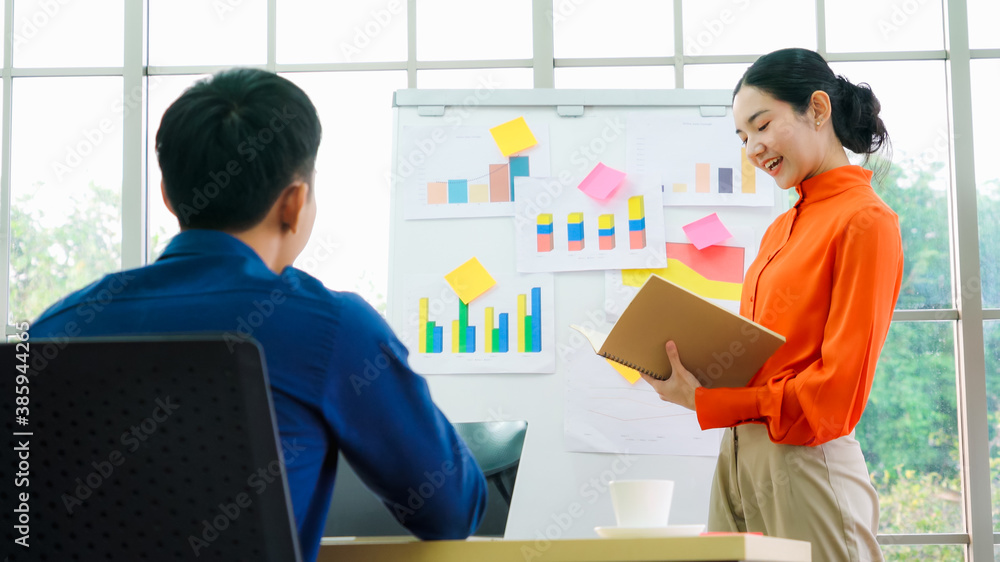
(496, 337)
(500, 188)
(544, 232)
(606, 232)
(574, 232)
(748, 175)
(636, 222)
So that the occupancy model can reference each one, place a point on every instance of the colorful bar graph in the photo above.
(499, 190)
(748, 175)
(701, 178)
(636, 222)
(479, 193)
(536, 319)
(458, 191)
(437, 193)
(496, 336)
(544, 232)
(518, 168)
(574, 232)
(725, 180)
(680, 188)
(606, 232)
(503, 346)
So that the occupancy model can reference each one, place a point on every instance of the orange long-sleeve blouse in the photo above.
(827, 278)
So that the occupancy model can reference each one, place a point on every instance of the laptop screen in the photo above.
(496, 445)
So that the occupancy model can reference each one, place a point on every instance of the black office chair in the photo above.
(144, 449)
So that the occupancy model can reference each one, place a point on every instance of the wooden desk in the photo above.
(748, 548)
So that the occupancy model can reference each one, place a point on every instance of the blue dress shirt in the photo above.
(339, 377)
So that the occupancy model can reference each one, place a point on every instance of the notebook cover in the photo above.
(720, 348)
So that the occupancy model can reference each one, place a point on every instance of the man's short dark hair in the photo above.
(231, 143)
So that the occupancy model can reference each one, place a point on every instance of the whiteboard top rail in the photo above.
(557, 97)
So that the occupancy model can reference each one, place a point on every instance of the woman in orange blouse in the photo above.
(827, 277)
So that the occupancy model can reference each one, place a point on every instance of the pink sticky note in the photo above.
(601, 181)
(706, 231)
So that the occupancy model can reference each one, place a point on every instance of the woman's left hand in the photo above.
(679, 388)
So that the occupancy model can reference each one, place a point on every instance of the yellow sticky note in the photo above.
(513, 136)
(630, 374)
(470, 280)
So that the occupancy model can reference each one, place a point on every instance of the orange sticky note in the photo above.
(513, 136)
(630, 374)
(470, 280)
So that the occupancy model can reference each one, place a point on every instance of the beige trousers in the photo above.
(818, 494)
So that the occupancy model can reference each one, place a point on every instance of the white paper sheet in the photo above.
(535, 196)
(439, 154)
(606, 414)
(443, 309)
(670, 148)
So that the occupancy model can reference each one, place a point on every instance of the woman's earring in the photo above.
(818, 123)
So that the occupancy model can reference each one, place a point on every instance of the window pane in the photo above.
(985, 82)
(991, 335)
(66, 178)
(927, 553)
(916, 185)
(189, 32)
(489, 78)
(460, 30)
(161, 225)
(614, 77)
(909, 431)
(613, 28)
(349, 247)
(728, 27)
(713, 76)
(884, 25)
(51, 33)
(983, 15)
(317, 31)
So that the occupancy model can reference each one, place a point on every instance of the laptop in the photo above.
(496, 445)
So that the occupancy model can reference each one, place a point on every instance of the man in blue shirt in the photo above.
(237, 152)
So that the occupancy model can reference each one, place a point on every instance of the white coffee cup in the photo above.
(642, 503)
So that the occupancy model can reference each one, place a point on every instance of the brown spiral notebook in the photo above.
(720, 348)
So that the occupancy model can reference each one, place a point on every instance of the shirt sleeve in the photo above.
(394, 436)
(824, 400)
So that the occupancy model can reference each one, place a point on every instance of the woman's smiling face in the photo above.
(780, 141)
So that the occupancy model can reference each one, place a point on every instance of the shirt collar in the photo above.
(832, 182)
(197, 242)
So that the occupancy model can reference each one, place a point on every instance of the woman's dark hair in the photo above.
(231, 144)
(792, 75)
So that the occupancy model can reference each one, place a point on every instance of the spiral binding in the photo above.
(621, 361)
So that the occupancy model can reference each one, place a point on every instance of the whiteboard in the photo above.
(558, 494)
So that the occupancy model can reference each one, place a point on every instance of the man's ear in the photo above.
(163, 193)
(292, 201)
